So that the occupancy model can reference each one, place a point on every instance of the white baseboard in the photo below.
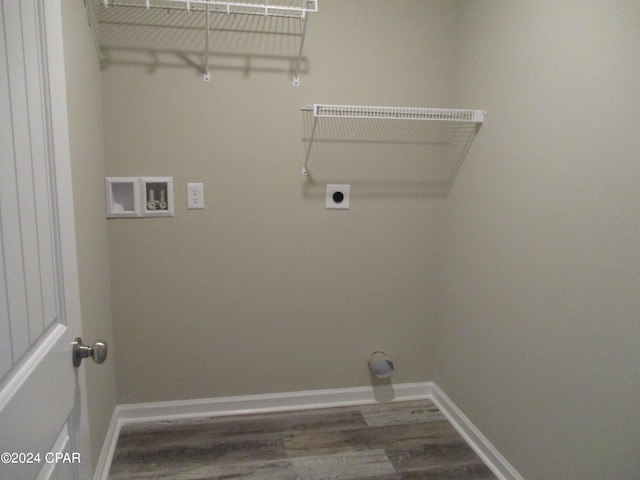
(476, 440)
(278, 402)
(108, 447)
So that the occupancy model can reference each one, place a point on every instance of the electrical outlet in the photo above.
(338, 197)
(195, 196)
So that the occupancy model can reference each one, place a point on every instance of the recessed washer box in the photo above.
(122, 196)
(157, 195)
(338, 197)
(139, 197)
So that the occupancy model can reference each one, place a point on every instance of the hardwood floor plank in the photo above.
(254, 424)
(401, 413)
(429, 456)
(394, 436)
(269, 470)
(369, 464)
(195, 451)
(466, 472)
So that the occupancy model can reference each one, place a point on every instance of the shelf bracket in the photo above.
(207, 76)
(296, 74)
(305, 170)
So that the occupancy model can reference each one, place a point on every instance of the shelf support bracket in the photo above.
(296, 75)
(207, 77)
(305, 170)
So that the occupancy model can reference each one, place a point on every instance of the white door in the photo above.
(43, 430)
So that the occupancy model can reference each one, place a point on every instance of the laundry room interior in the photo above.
(499, 261)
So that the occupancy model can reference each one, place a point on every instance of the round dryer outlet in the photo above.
(338, 197)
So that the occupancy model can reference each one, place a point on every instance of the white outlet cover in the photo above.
(338, 197)
(195, 196)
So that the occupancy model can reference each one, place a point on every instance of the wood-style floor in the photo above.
(389, 441)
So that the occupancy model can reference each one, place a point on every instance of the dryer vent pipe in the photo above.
(380, 365)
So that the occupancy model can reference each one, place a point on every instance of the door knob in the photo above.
(98, 351)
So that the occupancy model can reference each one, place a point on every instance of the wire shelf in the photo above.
(444, 132)
(279, 13)
(297, 8)
(397, 113)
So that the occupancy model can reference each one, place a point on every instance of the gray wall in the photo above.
(88, 169)
(264, 290)
(538, 329)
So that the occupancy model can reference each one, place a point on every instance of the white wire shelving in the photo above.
(395, 113)
(452, 130)
(296, 8)
(287, 9)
